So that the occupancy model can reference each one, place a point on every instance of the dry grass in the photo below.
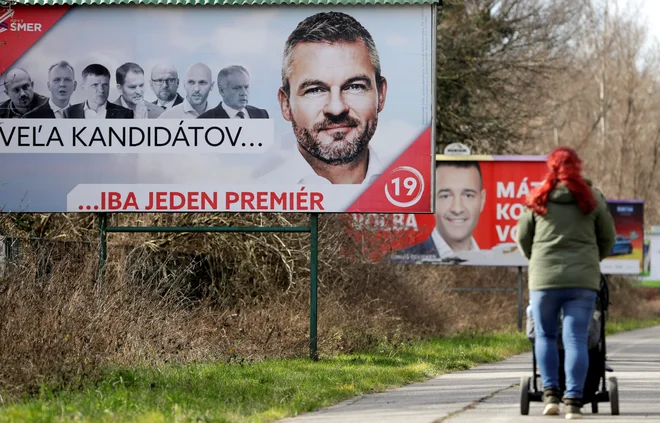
(186, 297)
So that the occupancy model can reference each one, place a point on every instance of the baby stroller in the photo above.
(530, 389)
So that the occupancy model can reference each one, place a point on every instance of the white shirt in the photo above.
(233, 112)
(296, 170)
(168, 104)
(98, 114)
(444, 250)
(182, 111)
(57, 109)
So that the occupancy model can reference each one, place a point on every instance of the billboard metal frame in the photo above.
(312, 229)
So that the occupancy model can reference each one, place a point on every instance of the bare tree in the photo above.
(496, 60)
(609, 109)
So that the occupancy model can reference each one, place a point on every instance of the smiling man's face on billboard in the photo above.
(460, 199)
(334, 100)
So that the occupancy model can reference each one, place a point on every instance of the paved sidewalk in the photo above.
(490, 393)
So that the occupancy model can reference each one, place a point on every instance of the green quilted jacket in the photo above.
(565, 247)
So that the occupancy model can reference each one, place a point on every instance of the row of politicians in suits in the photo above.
(232, 81)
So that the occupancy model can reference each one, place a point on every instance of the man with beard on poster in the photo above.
(165, 84)
(19, 87)
(332, 92)
(198, 83)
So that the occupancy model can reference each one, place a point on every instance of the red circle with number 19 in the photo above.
(404, 187)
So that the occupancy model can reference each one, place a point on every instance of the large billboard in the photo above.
(479, 200)
(256, 109)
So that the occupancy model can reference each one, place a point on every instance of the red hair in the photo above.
(564, 167)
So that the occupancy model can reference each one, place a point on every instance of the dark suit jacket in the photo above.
(112, 111)
(219, 113)
(426, 248)
(177, 100)
(42, 112)
(6, 111)
(414, 252)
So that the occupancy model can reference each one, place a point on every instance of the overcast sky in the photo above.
(646, 11)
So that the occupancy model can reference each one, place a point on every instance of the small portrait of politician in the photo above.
(96, 87)
(332, 92)
(61, 84)
(198, 83)
(19, 87)
(234, 87)
(131, 87)
(460, 199)
(165, 84)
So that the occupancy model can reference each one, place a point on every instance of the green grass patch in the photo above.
(652, 284)
(624, 325)
(267, 390)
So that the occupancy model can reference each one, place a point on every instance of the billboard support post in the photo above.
(520, 298)
(313, 286)
(103, 247)
(312, 229)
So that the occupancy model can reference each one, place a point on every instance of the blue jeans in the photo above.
(578, 306)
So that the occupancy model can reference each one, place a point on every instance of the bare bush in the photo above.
(496, 61)
(187, 297)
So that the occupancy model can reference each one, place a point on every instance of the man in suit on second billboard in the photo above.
(234, 87)
(61, 83)
(96, 86)
(460, 199)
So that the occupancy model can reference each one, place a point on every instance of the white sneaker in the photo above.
(573, 413)
(551, 409)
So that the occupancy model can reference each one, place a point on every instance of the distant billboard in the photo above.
(479, 200)
(627, 254)
(143, 108)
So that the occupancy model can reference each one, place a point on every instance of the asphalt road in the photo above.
(491, 393)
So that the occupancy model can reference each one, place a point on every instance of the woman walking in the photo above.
(565, 231)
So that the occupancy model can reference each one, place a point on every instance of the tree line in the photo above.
(524, 76)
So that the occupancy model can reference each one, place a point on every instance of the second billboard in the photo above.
(479, 200)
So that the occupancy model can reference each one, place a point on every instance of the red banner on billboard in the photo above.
(478, 202)
(22, 26)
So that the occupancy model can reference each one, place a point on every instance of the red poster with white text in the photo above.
(478, 202)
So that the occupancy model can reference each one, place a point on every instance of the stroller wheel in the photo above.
(614, 395)
(524, 395)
